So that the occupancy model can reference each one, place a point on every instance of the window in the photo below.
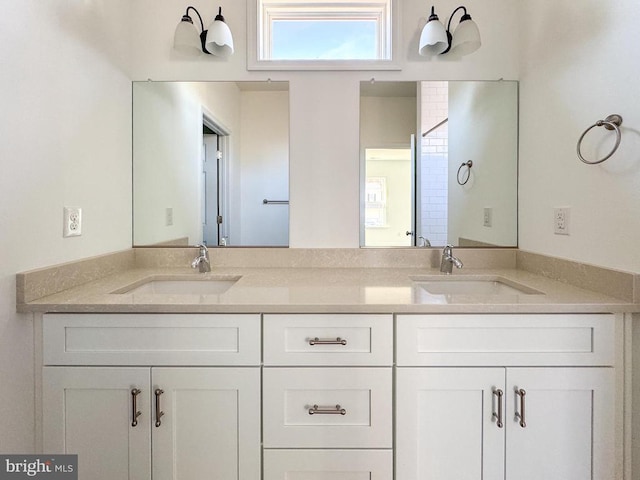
(375, 206)
(321, 34)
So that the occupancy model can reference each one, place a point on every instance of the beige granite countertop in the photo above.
(324, 290)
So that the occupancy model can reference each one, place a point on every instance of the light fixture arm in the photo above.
(203, 32)
(465, 16)
(197, 13)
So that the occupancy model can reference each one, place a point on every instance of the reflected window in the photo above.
(376, 202)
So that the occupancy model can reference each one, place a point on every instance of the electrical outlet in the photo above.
(72, 222)
(488, 217)
(561, 220)
(169, 216)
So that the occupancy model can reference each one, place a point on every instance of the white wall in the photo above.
(167, 147)
(167, 127)
(264, 160)
(483, 119)
(324, 170)
(65, 130)
(580, 64)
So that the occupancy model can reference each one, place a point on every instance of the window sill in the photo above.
(337, 65)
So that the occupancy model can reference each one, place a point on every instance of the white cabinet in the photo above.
(447, 423)
(88, 412)
(211, 423)
(568, 428)
(476, 397)
(327, 397)
(495, 420)
(444, 424)
(192, 421)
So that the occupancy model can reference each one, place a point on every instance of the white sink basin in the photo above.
(472, 285)
(182, 286)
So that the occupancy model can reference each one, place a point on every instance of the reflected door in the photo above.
(211, 197)
(389, 197)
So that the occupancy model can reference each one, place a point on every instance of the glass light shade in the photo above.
(433, 39)
(466, 38)
(186, 39)
(219, 40)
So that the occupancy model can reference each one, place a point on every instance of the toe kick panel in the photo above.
(327, 407)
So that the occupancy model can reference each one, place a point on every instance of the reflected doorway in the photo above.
(389, 197)
(214, 186)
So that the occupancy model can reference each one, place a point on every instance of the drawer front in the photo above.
(505, 340)
(150, 339)
(310, 340)
(327, 407)
(328, 465)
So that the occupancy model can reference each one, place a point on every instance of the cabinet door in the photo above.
(89, 412)
(568, 428)
(211, 423)
(446, 429)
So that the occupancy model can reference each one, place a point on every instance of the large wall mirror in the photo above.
(439, 163)
(210, 163)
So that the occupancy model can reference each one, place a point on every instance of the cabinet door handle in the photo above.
(337, 410)
(337, 341)
(521, 393)
(498, 416)
(159, 413)
(136, 413)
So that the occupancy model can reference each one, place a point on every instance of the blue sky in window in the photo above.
(323, 40)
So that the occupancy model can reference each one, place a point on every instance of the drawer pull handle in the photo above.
(159, 413)
(337, 410)
(521, 393)
(337, 341)
(136, 413)
(498, 416)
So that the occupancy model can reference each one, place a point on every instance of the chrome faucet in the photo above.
(201, 262)
(448, 260)
(425, 241)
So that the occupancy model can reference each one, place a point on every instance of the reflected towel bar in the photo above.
(275, 202)
(435, 127)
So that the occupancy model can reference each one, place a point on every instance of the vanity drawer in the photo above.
(328, 464)
(327, 407)
(506, 340)
(151, 339)
(308, 340)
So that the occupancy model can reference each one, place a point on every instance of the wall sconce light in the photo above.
(435, 40)
(217, 40)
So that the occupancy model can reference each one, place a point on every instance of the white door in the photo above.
(89, 412)
(210, 427)
(445, 424)
(211, 190)
(568, 427)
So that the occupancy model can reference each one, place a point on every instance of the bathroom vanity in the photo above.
(313, 373)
